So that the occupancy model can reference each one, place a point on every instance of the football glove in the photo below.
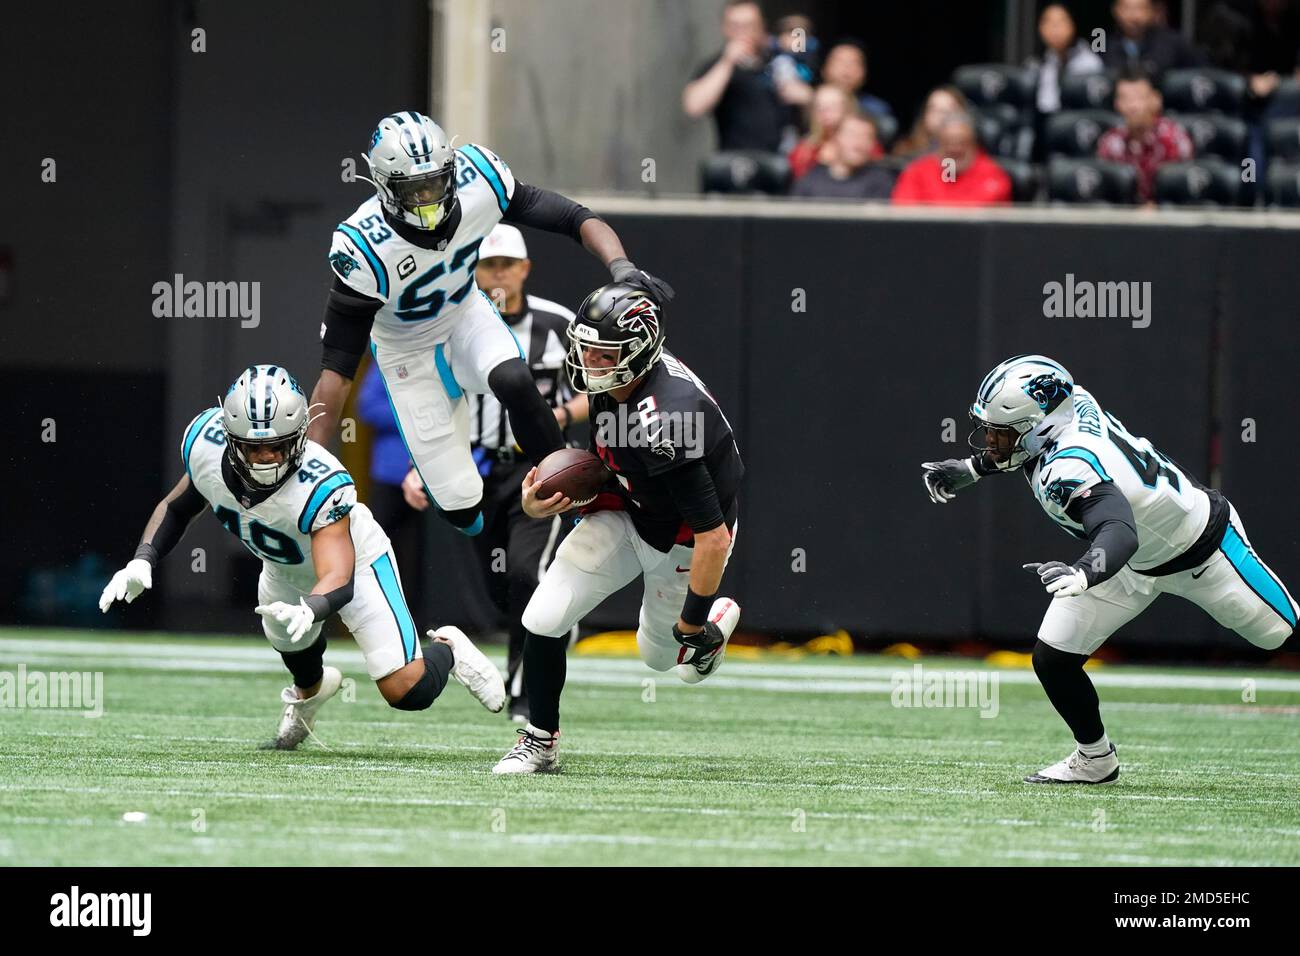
(128, 584)
(1060, 579)
(943, 479)
(622, 270)
(297, 619)
(701, 642)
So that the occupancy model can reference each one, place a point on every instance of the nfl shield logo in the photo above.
(401, 371)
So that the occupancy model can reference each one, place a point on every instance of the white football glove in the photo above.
(943, 479)
(128, 584)
(1060, 579)
(297, 619)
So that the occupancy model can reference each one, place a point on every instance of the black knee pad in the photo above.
(511, 381)
(438, 661)
(307, 665)
(465, 520)
(1049, 662)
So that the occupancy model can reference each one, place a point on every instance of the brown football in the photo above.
(575, 472)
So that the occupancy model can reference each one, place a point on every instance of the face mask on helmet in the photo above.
(599, 365)
(1000, 446)
(427, 197)
(268, 462)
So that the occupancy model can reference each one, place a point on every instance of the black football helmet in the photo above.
(614, 339)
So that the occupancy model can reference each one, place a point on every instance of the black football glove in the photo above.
(622, 270)
(943, 479)
(701, 642)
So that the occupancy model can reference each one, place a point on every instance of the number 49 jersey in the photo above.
(422, 290)
(278, 528)
(1170, 507)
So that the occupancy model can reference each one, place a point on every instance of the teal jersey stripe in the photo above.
(191, 436)
(1083, 455)
(319, 495)
(444, 372)
(376, 266)
(1256, 576)
(392, 590)
(489, 172)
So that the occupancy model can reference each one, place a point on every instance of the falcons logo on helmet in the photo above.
(642, 318)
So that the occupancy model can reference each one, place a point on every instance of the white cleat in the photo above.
(1077, 768)
(472, 668)
(536, 752)
(725, 613)
(299, 716)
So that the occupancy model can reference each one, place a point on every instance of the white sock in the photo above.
(1098, 749)
(538, 732)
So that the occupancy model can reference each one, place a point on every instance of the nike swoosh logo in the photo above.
(683, 570)
(1203, 570)
(338, 498)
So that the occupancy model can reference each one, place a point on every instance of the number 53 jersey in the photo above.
(277, 528)
(1170, 507)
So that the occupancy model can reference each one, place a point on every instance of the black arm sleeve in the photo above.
(348, 318)
(543, 209)
(180, 512)
(691, 488)
(331, 602)
(1108, 521)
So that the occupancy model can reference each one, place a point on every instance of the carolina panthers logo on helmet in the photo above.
(376, 137)
(1060, 490)
(1048, 391)
(343, 263)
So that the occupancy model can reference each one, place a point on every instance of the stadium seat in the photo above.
(1075, 132)
(1285, 100)
(1204, 91)
(1215, 134)
(1092, 91)
(1284, 138)
(744, 171)
(1283, 186)
(1200, 182)
(1025, 178)
(986, 84)
(1001, 131)
(1091, 181)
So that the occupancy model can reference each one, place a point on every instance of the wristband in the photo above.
(320, 606)
(695, 611)
(147, 552)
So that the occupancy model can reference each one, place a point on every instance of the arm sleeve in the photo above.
(691, 488)
(1108, 521)
(180, 512)
(331, 602)
(345, 332)
(543, 209)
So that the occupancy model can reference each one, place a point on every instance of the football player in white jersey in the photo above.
(1152, 529)
(404, 284)
(291, 503)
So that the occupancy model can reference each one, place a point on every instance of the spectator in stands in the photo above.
(846, 67)
(849, 174)
(958, 173)
(795, 54)
(1139, 40)
(750, 106)
(1146, 140)
(943, 101)
(830, 106)
(1064, 54)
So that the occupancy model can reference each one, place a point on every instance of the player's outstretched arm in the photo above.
(345, 334)
(334, 559)
(943, 479)
(166, 526)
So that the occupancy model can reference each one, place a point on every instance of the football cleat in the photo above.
(536, 752)
(472, 668)
(724, 615)
(299, 716)
(1078, 768)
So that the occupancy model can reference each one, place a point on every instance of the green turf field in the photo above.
(770, 762)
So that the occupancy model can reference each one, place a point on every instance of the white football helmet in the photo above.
(414, 169)
(1022, 404)
(265, 407)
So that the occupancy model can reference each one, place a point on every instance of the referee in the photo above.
(513, 549)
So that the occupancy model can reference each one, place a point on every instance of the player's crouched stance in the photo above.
(1152, 529)
(670, 518)
(292, 504)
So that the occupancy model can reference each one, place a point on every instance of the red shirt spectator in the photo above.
(1146, 140)
(959, 173)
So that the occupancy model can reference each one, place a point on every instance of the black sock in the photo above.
(544, 668)
(1070, 691)
(306, 665)
(531, 419)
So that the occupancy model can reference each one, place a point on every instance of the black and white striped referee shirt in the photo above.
(540, 331)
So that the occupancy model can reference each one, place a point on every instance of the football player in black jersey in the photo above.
(668, 515)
